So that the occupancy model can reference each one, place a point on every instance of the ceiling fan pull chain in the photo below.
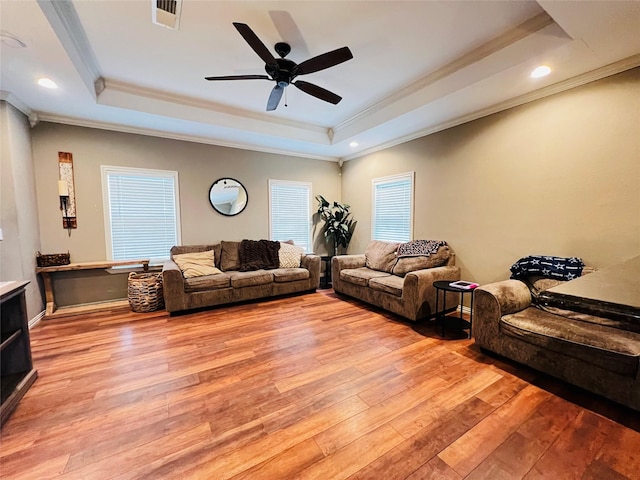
(285, 98)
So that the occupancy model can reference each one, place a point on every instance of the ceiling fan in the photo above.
(284, 71)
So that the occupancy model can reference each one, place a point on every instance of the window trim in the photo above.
(390, 179)
(309, 186)
(105, 170)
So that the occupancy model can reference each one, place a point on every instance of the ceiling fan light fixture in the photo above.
(541, 71)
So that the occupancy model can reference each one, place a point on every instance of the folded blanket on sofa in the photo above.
(257, 254)
(560, 268)
(417, 248)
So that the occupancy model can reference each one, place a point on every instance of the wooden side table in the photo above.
(444, 287)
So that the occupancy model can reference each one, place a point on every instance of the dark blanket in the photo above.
(559, 268)
(257, 254)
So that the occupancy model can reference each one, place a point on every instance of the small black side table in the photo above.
(443, 285)
(325, 281)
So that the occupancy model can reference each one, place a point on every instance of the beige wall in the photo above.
(198, 166)
(18, 209)
(558, 176)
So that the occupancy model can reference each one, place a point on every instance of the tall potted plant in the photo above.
(338, 227)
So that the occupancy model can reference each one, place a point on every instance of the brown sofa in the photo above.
(232, 285)
(403, 286)
(519, 320)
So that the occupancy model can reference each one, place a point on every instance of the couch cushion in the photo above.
(609, 348)
(405, 265)
(289, 255)
(229, 256)
(390, 284)
(282, 275)
(196, 264)
(208, 282)
(251, 278)
(381, 256)
(360, 276)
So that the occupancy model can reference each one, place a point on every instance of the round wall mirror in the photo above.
(228, 196)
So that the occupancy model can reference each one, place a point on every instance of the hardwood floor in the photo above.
(310, 386)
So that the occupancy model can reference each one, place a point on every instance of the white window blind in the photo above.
(141, 213)
(289, 214)
(393, 208)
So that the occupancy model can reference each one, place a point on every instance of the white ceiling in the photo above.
(418, 66)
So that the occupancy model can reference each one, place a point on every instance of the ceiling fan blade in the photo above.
(255, 43)
(318, 92)
(325, 60)
(274, 98)
(239, 77)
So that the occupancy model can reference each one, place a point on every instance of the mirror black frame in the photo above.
(218, 206)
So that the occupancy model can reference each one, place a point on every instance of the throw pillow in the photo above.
(196, 264)
(290, 255)
(381, 256)
(230, 256)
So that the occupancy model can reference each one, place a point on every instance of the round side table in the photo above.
(444, 287)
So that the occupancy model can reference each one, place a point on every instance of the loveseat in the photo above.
(583, 342)
(397, 277)
(198, 276)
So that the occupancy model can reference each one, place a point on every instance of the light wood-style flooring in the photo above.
(309, 386)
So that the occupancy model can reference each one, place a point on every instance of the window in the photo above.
(289, 214)
(393, 208)
(141, 213)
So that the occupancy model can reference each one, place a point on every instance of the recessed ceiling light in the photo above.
(47, 83)
(354, 144)
(541, 71)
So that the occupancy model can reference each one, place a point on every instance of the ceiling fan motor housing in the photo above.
(283, 71)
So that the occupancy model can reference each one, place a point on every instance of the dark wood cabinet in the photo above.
(16, 367)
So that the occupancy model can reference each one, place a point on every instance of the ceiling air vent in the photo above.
(166, 13)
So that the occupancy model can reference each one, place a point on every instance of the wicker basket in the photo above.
(52, 259)
(145, 292)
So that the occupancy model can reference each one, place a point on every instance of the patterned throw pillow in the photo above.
(290, 255)
(196, 264)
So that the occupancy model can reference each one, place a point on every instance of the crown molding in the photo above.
(124, 95)
(64, 21)
(177, 136)
(9, 97)
(583, 79)
(529, 27)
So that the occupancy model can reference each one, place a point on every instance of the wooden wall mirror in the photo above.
(228, 196)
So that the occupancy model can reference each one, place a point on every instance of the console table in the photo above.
(16, 367)
(52, 309)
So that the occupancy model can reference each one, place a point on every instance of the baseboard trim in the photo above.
(36, 320)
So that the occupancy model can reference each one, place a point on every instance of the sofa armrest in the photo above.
(349, 261)
(342, 262)
(418, 288)
(312, 263)
(491, 302)
(172, 286)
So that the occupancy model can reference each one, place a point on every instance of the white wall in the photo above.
(18, 206)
